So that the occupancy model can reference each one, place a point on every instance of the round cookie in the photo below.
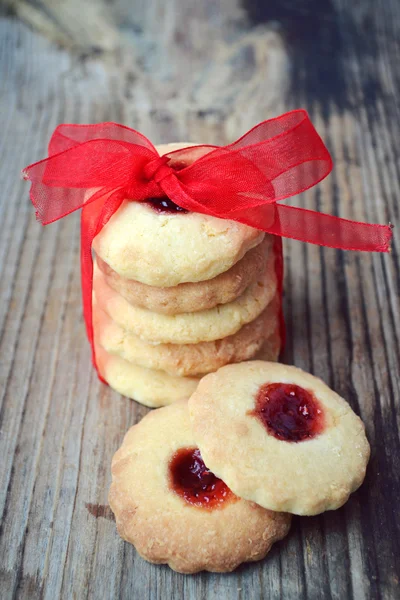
(279, 436)
(165, 249)
(271, 348)
(147, 386)
(186, 328)
(191, 359)
(192, 297)
(173, 510)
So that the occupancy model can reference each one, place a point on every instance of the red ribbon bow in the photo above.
(96, 167)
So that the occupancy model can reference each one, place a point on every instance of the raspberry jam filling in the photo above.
(190, 479)
(165, 206)
(289, 412)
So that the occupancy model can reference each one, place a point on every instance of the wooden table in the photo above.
(200, 71)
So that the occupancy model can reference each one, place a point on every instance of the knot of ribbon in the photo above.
(96, 167)
(157, 169)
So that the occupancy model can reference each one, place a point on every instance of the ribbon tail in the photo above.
(94, 216)
(317, 228)
(295, 223)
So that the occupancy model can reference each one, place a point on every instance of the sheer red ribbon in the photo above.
(96, 167)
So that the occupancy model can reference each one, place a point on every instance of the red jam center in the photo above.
(289, 412)
(190, 479)
(165, 206)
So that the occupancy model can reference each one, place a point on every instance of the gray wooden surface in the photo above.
(197, 71)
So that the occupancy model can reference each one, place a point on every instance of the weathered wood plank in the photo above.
(201, 72)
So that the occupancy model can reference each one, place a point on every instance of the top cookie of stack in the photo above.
(178, 294)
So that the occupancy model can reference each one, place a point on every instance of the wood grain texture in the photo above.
(197, 71)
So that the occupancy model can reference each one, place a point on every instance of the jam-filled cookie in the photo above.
(279, 436)
(192, 297)
(191, 359)
(150, 387)
(186, 328)
(172, 508)
(159, 244)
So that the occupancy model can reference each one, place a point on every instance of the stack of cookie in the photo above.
(177, 295)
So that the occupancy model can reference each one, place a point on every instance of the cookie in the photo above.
(147, 386)
(192, 297)
(279, 436)
(158, 246)
(174, 510)
(191, 359)
(186, 328)
(271, 348)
